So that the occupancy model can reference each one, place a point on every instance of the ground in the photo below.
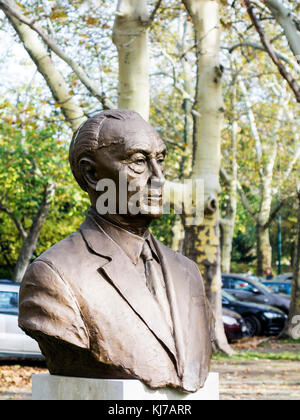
(262, 369)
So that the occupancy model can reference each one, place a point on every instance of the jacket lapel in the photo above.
(178, 289)
(192, 317)
(120, 271)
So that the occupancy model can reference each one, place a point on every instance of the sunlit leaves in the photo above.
(32, 153)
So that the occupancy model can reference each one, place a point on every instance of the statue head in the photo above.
(118, 142)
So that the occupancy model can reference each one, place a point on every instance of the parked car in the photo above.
(253, 277)
(4, 281)
(284, 277)
(251, 290)
(14, 343)
(234, 325)
(278, 287)
(259, 319)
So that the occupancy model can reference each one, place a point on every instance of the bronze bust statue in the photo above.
(111, 301)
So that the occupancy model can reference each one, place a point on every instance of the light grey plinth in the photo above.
(49, 387)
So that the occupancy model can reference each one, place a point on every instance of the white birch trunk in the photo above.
(202, 243)
(130, 36)
(227, 226)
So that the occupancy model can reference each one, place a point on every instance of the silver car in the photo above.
(14, 343)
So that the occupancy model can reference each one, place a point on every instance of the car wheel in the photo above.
(253, 326)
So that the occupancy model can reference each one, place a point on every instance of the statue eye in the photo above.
(140, 161)
(161, 159)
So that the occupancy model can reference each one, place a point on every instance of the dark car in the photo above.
(234, 325)
(278, 287)
(260, 319)
(4, 281)
(253, 277)
(250, 290)
(284, 277)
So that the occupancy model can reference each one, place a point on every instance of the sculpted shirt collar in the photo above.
(131, 244)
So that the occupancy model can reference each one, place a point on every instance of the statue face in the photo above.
(138, 153)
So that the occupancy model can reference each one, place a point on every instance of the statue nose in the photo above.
(158, 176)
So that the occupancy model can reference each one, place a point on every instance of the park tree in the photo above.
(34, 178)
(285, 14)
(254, 79)
(39, 54)
(130, 35)
(229, 176)
(202, 241)
(27, 133)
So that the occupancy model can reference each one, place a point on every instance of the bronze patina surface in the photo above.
(111, 301)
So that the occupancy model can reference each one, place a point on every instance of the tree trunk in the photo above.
(294, 330)
(30, 242)
(130, 36)
(227, 225)
(177, 235)
(202, 242)
(55, 81)
(264, 250)
(227, 231)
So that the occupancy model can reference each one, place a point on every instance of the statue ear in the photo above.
(89, 172)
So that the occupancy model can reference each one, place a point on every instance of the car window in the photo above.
(8, 302)
(228, 296)
(260, 286)
(278, 288)
(239, 284)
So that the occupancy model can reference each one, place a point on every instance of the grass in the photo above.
(289, 341)
(253, 355)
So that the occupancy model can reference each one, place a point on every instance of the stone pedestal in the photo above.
(49, 387)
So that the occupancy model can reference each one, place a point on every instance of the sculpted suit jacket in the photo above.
(85, 304)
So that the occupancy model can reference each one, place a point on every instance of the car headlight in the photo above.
(272, 315)
(229, 320)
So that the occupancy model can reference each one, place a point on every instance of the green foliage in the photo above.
(162, 229)
(30, 157)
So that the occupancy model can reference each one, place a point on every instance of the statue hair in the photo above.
(91, 136)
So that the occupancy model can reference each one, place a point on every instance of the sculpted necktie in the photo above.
(155, 285)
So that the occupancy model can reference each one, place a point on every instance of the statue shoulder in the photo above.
(47, 304)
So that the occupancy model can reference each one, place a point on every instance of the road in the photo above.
(239, 380)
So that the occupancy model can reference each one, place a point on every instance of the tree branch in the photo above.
(224, 175)
(285, 19)
(277, 209)
(270, 50)
(154, 11)
(245, 201)
(256, 46)
(17, 222)
(78, 70)
(55, 81)
(253, 127)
